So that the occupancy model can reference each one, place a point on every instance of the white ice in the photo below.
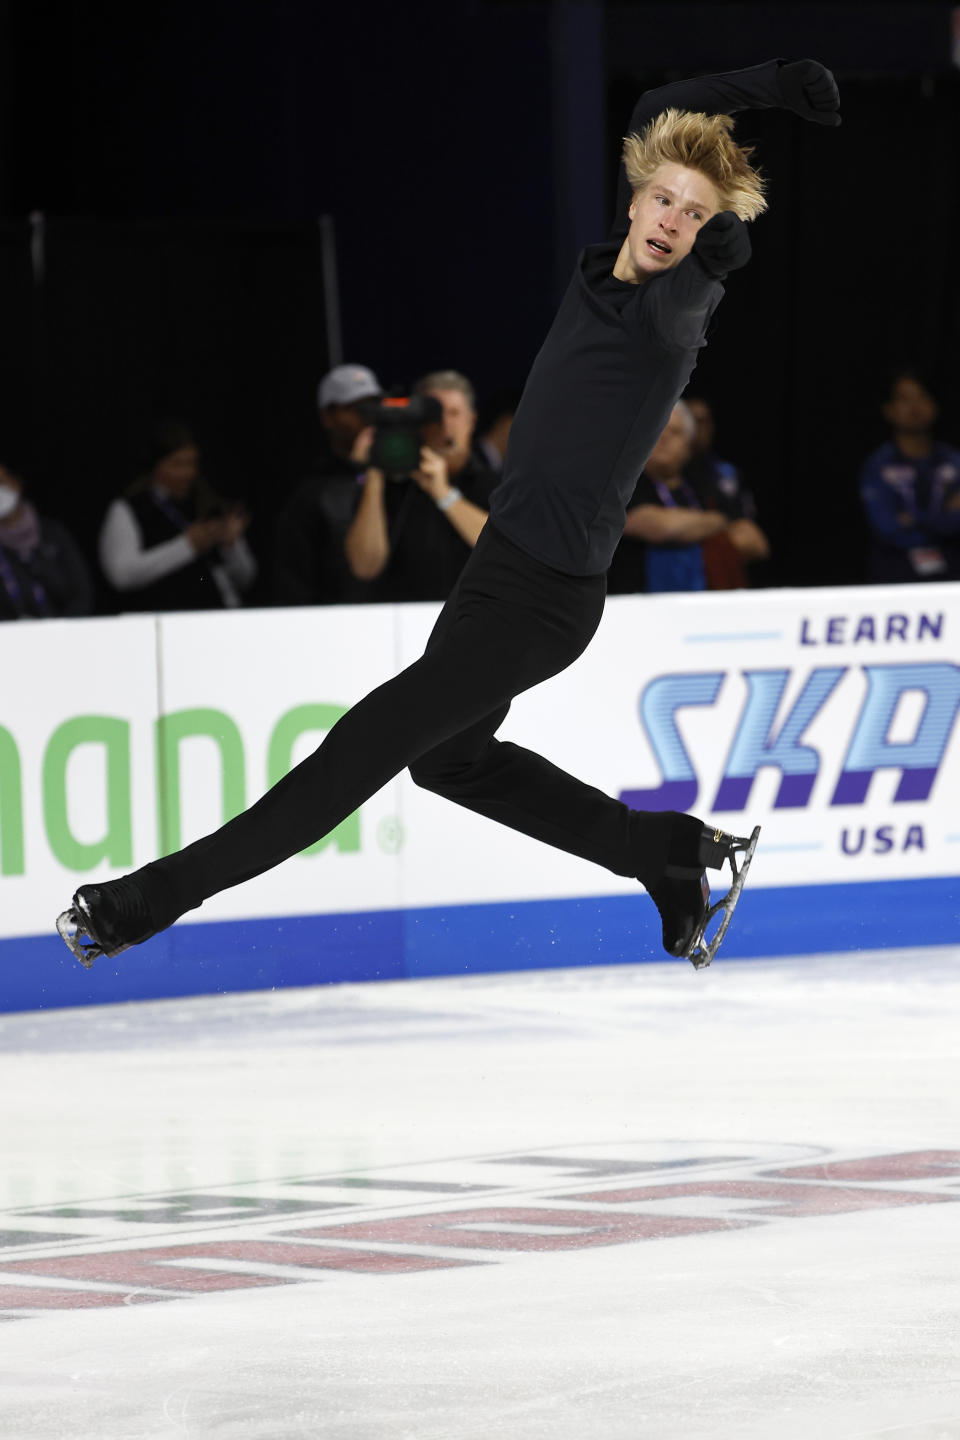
(837, 1325)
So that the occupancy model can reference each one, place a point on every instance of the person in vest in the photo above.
(170, 542)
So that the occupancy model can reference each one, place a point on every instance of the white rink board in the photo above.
(415, 850)
(42, 664)
(257, 667)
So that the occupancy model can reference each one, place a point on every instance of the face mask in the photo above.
(9, 500)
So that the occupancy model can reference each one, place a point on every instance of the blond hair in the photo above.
(698, 142)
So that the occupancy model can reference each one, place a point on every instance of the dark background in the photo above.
(176, 158)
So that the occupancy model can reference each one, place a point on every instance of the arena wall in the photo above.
(826, 716)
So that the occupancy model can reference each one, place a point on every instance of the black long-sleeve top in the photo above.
(611, 369)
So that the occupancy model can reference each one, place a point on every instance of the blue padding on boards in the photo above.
(623, 929)
(37, 972)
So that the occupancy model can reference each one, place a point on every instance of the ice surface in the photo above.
(631, 1204)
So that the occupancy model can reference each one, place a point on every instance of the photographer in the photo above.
(309, 563)
(411, 536)
(170, 542)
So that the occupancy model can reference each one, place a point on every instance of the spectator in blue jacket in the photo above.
(910, 490)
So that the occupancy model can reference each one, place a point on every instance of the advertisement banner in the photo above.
(828, 717)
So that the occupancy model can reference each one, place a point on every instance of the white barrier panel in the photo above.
(826, 716)
(250, 695)
(78, 706)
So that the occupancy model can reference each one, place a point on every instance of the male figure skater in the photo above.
(618, 356)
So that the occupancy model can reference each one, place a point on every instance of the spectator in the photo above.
(170, 542)
(310, 567)
(409, 540)
(42, 571)
(717, 485)
(661, 547)
(495, 424)
(910, 489)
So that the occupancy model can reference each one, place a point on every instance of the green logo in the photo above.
(112, 734)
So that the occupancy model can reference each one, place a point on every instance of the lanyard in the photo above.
(14, 589)
(669, 497)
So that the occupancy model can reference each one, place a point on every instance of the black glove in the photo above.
(722, 244)
(810, 91)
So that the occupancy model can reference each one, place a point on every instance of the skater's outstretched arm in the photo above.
(676, 311)
(804, 86)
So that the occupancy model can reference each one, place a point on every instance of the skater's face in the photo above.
(453, 435)
(177, 471)
(664, 219)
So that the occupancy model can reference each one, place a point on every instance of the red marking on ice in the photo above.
(912, 1165)
(781, 1199)
(316, 1257)
(20, 1297)
(460, 1228)
(146, 1269)
(789, 1192)
(151, 1268)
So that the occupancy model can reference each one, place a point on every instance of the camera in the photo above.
(398, 424)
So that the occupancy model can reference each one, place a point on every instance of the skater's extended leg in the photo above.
(507, 627)
(666, 851)
(519, 788)
(509, 624)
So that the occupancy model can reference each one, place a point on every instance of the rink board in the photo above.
(263, 954)
(826, 716)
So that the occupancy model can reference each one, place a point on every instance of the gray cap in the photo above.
(346, 384)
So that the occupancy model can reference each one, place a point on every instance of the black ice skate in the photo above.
(683, 896)
(105, 920)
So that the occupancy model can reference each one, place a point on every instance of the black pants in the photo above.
(509, 623)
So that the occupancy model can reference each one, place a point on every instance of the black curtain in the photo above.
(428, 136)
(220, 325)
(18, 351)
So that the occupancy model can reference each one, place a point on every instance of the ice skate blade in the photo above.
(700, 951)
(72, 920)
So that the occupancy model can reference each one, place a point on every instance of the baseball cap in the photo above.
(346, 384)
